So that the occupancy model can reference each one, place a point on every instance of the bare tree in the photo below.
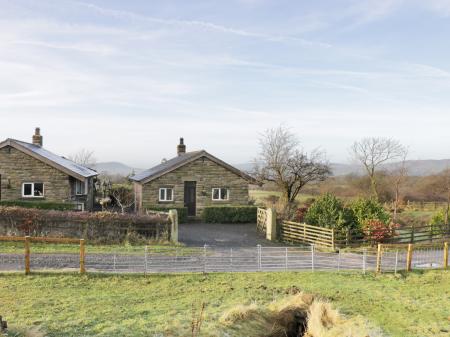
(399, 175)
(84, 157)
(123, 197)
(283, 162)
(373, 152)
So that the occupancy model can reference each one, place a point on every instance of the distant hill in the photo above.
(415, 167)
(115, 168)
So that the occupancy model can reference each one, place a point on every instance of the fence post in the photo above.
(396, 262)
(271, 224)
(27, 255)
(82, 256)
(413, 228)
(145, 261)
(204, 258)
(173, 216)
(312, 257)
(379, 252)
(339, 261)
(409, 257)
(258, 249)
(364, 260)
(347, 237)
(332, 238)
(445, 255)
(286, 259)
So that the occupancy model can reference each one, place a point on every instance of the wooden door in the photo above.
(190, 197)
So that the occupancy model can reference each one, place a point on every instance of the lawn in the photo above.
(160, 305)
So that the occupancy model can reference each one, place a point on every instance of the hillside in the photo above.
(415, 167)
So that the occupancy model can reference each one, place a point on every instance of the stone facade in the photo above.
(17, 167)
(207, 175)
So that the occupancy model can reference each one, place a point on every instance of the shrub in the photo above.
(58, 206)
(365, 210)
(438, 218)
(182, 211)
(229, 214)
(328, 211)
(379, 231)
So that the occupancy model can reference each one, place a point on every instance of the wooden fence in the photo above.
(302, 233)
(27, 240)
(403, 235)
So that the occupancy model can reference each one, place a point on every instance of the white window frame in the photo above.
(32, 190)
(165, 193)
(220, 188)
(82, 183)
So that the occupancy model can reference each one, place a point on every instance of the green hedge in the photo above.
(57, 206)
(230, 214)
(182, 211)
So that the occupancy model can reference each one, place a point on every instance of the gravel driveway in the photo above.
(229, 235)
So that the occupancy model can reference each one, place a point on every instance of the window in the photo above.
(80, 187)
(32, 190)
(166, 194)
(220, 194)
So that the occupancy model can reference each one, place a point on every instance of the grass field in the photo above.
(160, 305)
(260, 195)
(18, 247)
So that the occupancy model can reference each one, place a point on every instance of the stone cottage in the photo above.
(193, 180)
(30, 172)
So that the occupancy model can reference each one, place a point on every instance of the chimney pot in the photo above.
(37, 137)
(181, 148)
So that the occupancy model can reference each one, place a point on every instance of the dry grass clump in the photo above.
(21, 332)
(294, 316)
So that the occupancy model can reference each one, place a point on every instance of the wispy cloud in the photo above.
(203, 25)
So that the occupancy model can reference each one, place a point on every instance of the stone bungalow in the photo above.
(193, 180)
(29, 172)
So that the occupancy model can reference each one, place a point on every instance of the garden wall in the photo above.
(101, 227)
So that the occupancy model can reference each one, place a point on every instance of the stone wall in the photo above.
(208, 175)
(17, 167)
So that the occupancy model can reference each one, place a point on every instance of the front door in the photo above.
(190, 197)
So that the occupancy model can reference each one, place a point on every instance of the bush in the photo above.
(329, 212)
(365, 210)
(438, 218)
(182, 212)
(378, 231)
(57, 206)
(229, 214)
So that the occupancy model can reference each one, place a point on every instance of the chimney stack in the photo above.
(181, 148)
(37, 138)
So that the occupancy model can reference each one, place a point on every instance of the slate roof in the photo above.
(178, 161)
(58, 161)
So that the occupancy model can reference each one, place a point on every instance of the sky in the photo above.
(126, 79)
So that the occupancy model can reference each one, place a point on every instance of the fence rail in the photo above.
(173, 259)
(302, 233)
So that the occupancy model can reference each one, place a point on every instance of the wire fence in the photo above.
(209, 259)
